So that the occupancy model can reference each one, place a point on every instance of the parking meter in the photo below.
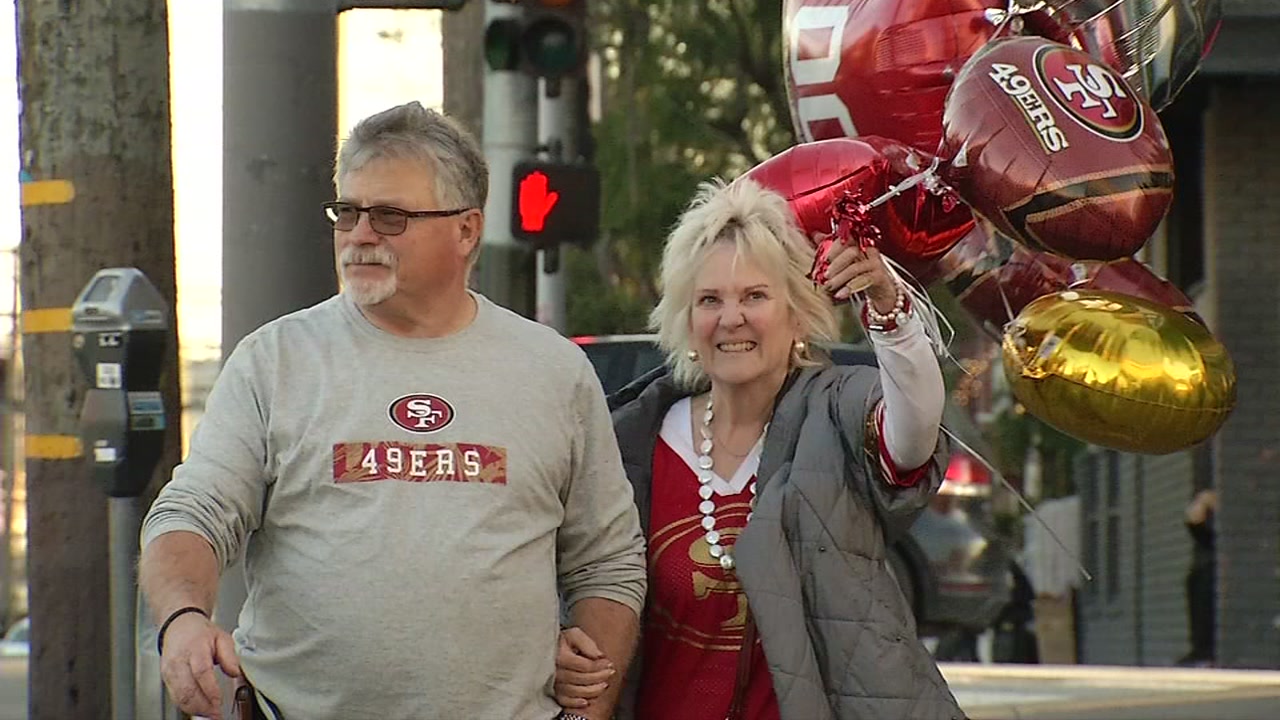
(120, 324)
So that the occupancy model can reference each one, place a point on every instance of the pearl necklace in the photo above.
(708, 507)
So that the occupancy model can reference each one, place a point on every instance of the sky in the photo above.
(394, 54)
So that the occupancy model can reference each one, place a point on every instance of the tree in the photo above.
(95, 111)
(463, 36)
(690, 91)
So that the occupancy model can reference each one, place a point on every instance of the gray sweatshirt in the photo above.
(407, 508)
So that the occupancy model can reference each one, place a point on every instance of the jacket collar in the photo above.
(638, 412)
(640, 407)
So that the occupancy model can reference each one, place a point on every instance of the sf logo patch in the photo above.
(421, 413)
(1092, 94)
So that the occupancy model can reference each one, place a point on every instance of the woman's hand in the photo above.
(583, 672)
(853, 270)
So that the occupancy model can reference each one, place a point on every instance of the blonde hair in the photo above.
(761, 228)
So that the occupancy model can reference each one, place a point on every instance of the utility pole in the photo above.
(95, 113)
(464, 68)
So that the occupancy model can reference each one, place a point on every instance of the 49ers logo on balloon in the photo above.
(421, 412)
(1090, 93)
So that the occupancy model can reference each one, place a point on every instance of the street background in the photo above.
(671, 95)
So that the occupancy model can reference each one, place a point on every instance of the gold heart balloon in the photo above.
(1119, 371)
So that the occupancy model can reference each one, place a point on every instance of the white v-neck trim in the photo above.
(676, 433)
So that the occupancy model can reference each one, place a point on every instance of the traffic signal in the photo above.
(555, 202)
(554, 40)
(502, 43)
(549, 42)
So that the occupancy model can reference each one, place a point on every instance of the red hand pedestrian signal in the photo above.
(554, 202)
(536, 201)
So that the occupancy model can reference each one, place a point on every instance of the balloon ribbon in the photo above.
(851, 224)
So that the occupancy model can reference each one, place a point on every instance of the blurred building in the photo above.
(1220, 246)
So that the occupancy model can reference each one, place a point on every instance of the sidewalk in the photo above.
(999, 692)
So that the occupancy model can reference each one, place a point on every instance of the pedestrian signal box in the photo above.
(555, 202)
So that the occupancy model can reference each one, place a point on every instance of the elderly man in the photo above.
(417, 477)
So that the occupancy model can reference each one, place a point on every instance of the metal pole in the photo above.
(555, 134)
(124, 525)
(280, 124)
(503, 273)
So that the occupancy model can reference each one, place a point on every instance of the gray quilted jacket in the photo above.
(839, 637)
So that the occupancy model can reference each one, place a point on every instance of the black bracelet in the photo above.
(169, 620)
(570, 715)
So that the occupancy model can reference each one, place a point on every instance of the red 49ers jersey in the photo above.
(697, 611)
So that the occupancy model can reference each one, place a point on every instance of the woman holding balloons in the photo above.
(769, 483)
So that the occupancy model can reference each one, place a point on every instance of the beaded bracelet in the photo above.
(872, 319)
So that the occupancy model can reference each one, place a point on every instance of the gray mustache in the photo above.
(368, 256)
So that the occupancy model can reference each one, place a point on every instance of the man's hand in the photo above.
(535, 202)
(583, 672)
(193, 646)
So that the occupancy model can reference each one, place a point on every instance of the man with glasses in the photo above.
(413, 472)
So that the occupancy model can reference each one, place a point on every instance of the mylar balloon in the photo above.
(878, 67)
(1131, 277)
(914, 227)
(1119, 371)
(994, 278)
(1056, 150)
(812, 176)
(1156, 45)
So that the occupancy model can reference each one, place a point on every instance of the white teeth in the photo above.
(743, 346)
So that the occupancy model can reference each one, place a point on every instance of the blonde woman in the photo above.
(768, 484)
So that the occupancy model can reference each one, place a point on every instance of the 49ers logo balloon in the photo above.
(1056, 150)
(1091, 94)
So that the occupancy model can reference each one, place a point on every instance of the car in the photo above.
(17, 640)
(952, 566)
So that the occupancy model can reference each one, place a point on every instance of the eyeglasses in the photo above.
(384, 219)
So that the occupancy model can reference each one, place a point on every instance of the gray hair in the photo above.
(413, 132)
(761, 228)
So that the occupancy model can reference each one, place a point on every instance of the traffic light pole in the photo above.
(556, 137)
(510, 132)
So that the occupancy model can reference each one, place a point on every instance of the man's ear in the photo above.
(472, 230)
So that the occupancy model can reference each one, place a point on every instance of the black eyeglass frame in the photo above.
(332, 207)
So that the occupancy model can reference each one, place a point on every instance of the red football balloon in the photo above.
(915, 227)
(1054, 149)
(1130, 276)
(918, 224)
(812, 176)
(994, 278)
(878, 67)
